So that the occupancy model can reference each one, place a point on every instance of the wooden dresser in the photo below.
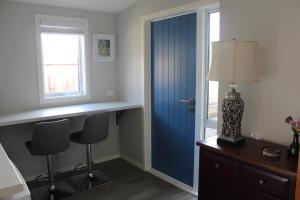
(241, 172)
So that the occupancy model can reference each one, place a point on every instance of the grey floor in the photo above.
(128, 183)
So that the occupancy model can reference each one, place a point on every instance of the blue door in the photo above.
(173, 57)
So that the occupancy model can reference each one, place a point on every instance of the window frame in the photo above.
(207, 122)
(84, 79)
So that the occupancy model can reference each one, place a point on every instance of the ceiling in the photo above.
(112, 6)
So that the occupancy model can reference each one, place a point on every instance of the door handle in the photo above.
(190, 102)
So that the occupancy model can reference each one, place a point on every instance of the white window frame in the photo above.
(207, 122)
(85, 83)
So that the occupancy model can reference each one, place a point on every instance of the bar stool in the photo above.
(50, 138)
(95, 130)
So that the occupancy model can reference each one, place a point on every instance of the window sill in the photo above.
(63, 99)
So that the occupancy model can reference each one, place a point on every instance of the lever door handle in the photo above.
(189, 100)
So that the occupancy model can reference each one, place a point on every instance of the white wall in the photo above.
(275, 25)
(130, 71)
(18, 69)
(129, 20)
(19, 84)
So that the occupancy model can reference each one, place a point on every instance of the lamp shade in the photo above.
(233, 61)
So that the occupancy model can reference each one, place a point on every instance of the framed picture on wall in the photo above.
(104, 47)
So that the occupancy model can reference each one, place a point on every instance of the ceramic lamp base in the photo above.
(232, 108)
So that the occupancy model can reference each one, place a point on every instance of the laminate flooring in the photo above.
(128, 183)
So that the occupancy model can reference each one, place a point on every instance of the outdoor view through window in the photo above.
(212, 86)
(62, 63)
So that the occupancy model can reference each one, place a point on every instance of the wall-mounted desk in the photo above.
(10, 182)
(14, 118)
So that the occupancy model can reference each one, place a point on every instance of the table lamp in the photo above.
(233, 62)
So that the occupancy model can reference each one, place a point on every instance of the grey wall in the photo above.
(18, 69)
(19, 84)
(130, 71)
(12, 139)
(274, 24)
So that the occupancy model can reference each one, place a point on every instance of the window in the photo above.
(62, 52)
(211, 87)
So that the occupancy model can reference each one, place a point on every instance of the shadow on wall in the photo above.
(13, 138)
(131, 135)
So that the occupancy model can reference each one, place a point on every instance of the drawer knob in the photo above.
(217, 166)
(261, 182)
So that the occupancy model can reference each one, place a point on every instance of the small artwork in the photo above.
(103, 48)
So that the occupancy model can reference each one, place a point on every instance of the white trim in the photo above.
(86, 83)
(207, 123)
(67, 20)
(69, 168)
(133, 162)
(146, 72)
(175, 15)
(173, 181)
(189, 7)
(198, 96)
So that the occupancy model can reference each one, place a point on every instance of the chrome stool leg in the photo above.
(53, 193)
(89, 159)
(50, 172)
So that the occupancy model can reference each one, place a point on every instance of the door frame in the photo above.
(198, 7)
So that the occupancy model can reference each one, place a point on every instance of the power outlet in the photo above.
(110, 93)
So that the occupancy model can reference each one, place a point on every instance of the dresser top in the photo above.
(251, 152)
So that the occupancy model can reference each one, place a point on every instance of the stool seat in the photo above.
(95, 130)
(50, 138)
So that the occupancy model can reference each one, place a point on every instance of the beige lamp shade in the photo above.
(233, 61)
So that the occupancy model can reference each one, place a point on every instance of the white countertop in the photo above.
(64, 111)
(10, 182)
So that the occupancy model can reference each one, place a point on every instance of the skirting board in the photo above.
(173, 181)
(133, 162)
(96, 161)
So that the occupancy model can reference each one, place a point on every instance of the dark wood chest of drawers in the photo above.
(241, 172)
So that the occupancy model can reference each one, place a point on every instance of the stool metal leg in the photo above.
(92, 178)
(50, 172)
(53, 193)
(89, 159)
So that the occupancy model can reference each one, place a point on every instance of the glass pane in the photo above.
(209, 132)
(61, 63)
(212, 107)
(214, 35)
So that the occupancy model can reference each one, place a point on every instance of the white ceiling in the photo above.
(112, 6)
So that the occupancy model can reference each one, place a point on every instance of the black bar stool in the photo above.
(95, 130)
(50, 138)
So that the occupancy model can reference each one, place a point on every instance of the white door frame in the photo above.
(146, 20)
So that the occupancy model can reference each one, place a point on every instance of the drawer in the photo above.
(218, 165)
(265, 182)
(251, 194)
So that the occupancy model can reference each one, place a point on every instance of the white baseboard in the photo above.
(108, 158)
(69, 168)
(133, 162)
(173, 181)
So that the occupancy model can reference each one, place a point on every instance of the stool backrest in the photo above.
(51, 137)
(95, 128)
